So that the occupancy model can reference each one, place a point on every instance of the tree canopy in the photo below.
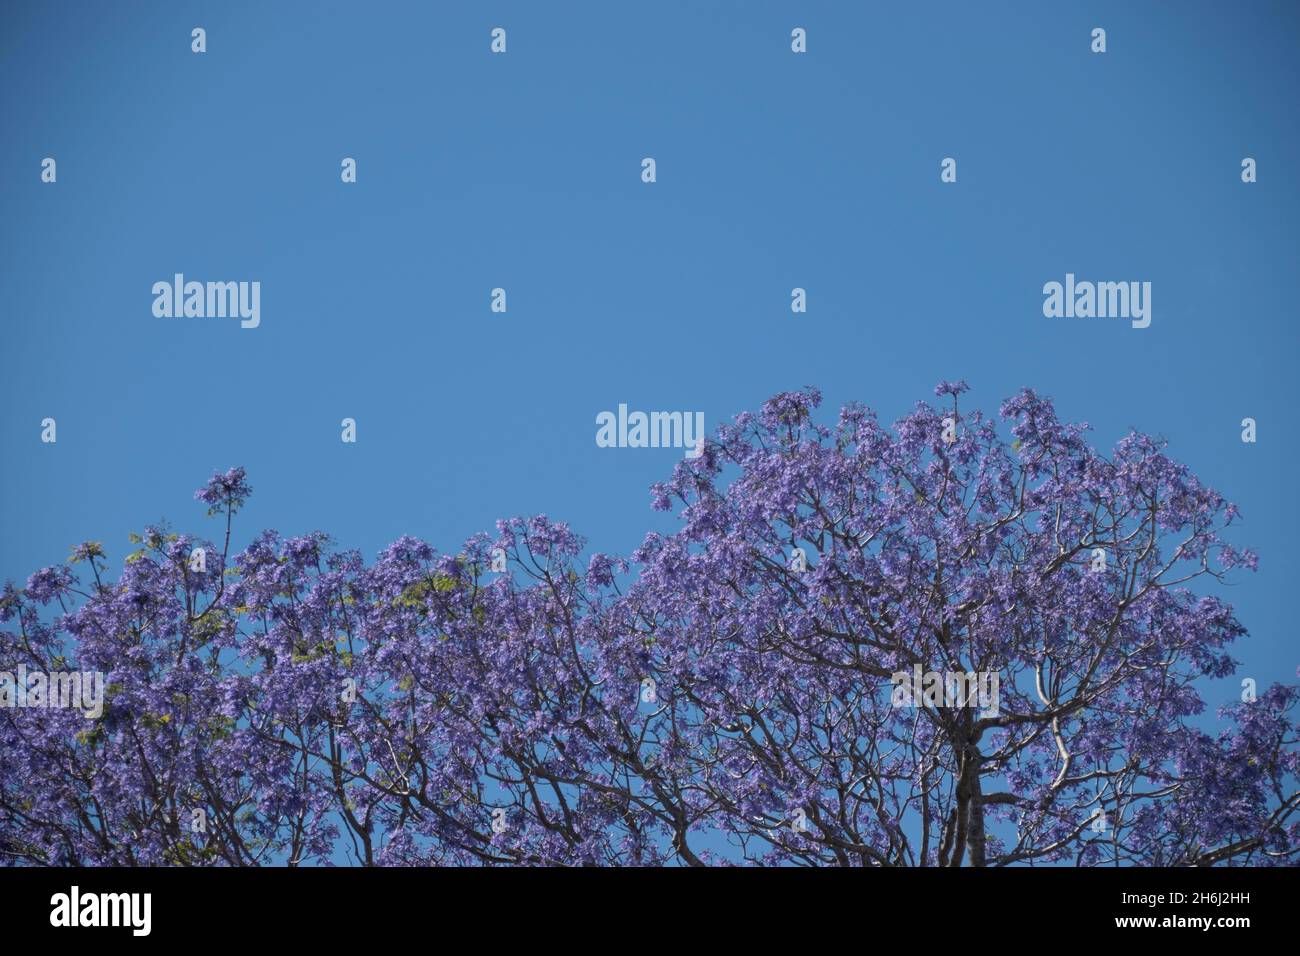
(726, 693)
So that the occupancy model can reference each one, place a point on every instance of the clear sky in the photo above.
(523, 171)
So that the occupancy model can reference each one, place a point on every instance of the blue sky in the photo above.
(522, 171)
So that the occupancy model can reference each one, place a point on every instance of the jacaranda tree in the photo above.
(733, 692)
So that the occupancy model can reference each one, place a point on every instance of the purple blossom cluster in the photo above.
(706, 700)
